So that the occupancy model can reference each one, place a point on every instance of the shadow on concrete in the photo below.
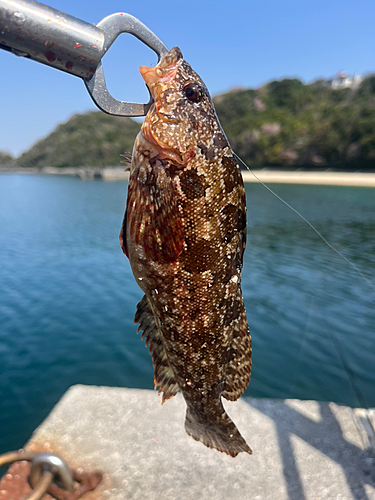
(327, 437)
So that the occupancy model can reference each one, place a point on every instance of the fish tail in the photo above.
(216, 431)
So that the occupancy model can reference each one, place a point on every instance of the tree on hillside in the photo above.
(287, 123)
(92, 139)
(6, 160)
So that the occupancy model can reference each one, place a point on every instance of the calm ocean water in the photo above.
(68, 296)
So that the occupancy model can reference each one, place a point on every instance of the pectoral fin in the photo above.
(122, 236)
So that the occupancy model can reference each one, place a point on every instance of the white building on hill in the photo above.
(343, 81)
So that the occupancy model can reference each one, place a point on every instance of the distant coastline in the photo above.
(328, 178)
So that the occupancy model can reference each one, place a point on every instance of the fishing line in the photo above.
(347, 368)
(334, 339)
(302, 345)
(369, 283)
(340, 354)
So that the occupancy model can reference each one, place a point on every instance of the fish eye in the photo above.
(193, 92)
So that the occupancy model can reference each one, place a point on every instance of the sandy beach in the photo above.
(359, 179)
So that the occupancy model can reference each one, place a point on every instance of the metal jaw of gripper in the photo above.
(49, 36)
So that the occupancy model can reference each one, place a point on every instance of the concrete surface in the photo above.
(302, 450)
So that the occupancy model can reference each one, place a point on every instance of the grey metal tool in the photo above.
(49, 36)
(53, 463)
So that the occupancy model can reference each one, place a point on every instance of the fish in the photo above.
(184, 232)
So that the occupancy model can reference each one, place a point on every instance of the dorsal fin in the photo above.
(163, 373)
(238, 357)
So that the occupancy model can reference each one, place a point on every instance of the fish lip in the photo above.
(165, 70)
(166, 118)
(154, 74)
(162, 116)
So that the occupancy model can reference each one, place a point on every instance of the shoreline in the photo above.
(327, 178)
(354, 179)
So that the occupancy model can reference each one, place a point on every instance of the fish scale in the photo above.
(184, 233)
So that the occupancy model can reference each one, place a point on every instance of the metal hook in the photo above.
(53, 463)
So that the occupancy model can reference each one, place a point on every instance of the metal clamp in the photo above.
(112, 27)
(49, 36)
(48, 462)
(48, 474)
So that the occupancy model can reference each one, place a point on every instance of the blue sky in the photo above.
(234, 43)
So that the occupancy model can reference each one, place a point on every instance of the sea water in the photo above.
(67, 296)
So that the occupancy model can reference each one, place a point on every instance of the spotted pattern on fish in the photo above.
(184, 232)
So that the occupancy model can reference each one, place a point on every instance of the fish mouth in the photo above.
(165, 71)
(153, 74)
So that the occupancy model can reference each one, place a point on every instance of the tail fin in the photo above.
(216, 431)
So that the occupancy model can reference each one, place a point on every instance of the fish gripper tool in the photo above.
(49, 36)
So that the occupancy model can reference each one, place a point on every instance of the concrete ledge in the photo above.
(302, 449)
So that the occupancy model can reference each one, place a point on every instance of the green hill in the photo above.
(289, 124)
(92, 139)
(284, 124)
(6, 160)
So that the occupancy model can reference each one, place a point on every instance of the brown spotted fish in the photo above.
(184, 232)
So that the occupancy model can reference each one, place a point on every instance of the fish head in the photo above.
(182, 115)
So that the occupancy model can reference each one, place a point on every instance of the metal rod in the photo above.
(39, 32)
(49, 36)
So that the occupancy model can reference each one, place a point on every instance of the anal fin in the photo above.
(163, 373)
